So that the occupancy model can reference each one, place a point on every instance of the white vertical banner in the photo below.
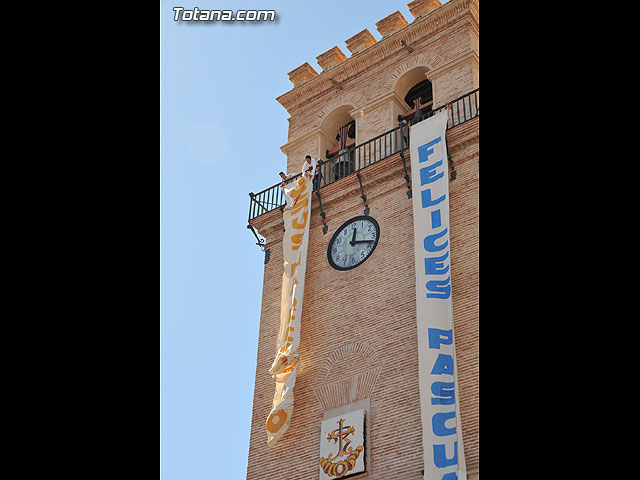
(294, 244)
(439, 396)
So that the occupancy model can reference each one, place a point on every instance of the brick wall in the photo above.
(369, 313)
(358, 333)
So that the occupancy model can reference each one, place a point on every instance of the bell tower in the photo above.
(357, 410)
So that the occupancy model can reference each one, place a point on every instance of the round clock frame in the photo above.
(340, 229)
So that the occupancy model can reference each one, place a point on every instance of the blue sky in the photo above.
(221, 130)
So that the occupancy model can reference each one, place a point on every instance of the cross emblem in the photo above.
(339, 436)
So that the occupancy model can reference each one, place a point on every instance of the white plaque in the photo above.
(342, 445)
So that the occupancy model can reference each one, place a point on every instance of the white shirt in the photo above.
(287, 177)
(306, 165)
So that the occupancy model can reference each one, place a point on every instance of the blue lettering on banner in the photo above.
(427, 202)
(440, 456)
(435, 265)
(429, 173)
(439, 337)
(436, 220)
(438, 286)
(443, 394)
(430, 242)
(424, 151)
(442, 288)
(443, 365)
(439, 427)
(445, 390)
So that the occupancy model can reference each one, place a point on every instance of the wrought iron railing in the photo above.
(461, 110)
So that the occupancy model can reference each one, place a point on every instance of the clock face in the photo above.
(353, 242)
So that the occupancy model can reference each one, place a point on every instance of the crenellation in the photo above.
(419, 8)
(391, 24)
(360, 41)
(330, 58)
(424, 27)
(302, 74)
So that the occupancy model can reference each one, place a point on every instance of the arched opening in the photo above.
(338, 141)
(421, 91)
(417, 93)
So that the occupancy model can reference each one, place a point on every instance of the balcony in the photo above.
(350, 161)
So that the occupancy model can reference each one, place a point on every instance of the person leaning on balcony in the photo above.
(309, 164)
(284, 178)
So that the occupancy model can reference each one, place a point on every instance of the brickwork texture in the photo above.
(358, 334)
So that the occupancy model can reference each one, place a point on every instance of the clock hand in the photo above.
(353, 238)
(361, 241)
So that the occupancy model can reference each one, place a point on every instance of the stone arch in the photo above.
(352, 99)
(349, 374)
(419, 64)
(410, 79)
(349, 350)
(334, 115)
(336, 118)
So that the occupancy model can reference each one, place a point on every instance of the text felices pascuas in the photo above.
(434, 266)
(443, 394)
(438, 287)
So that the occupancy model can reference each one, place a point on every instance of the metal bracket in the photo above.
(253, 197)
(281, 207)
(362, 195)
(260, 240)
(454, 174)
(322, 214)
(407, 178)
(267, 255)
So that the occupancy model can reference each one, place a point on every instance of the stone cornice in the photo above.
(385, 99)
(355, 113)
(308, 135)
(465, 57)
(421, 27)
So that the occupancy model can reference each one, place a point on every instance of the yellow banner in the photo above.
(285, 366)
